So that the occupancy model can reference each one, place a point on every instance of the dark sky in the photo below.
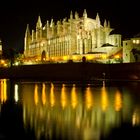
(124, 16)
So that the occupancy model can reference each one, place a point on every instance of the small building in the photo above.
(131, 49)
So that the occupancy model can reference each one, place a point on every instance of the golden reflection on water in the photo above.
(70, 111)
(104, 98)
(43, 94)
(89, 98)
(118, 101)
(52, 96)
(67, 111)
(63, 96)
(74, 98)
(36, 94)
(3, 90)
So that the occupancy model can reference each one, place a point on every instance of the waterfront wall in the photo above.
(74, 71)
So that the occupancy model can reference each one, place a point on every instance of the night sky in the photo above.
(124, 16)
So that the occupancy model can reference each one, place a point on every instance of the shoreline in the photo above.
(90, 72)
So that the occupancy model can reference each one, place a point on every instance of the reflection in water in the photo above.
(72, 112)
(16, 93)
(74, 99)
(136, 117)
(36, 94)
(89, 98)
(118, 101)
(43, 94)
(63, 97)
(3, 90)
(65, 111)
(104, 99)
(52, 98)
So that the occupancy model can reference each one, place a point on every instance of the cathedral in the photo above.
(71, 39)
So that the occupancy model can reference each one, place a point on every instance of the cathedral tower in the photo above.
(39, 29)
(27, 40)
(98, 31)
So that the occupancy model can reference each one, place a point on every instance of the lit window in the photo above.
(134, 41)
(137, 41)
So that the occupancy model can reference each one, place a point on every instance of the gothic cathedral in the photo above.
(71, 38)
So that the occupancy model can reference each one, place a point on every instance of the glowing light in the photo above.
(3, 92)
(43, 94)
(52, 97)
(134, 41)
(104, 99)
(118, 101)
(90, 57)
(5, 65)
(88, 98)
(52, 58)
(16, 63)
(36, 94)
(74, 100)
(116, 56)
(63, 97)
(103, 56)
(137, 41)
(136, 118)
(2, 61)
(16, 93)
(75, 57)
(65, 58)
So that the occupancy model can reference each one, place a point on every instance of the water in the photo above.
(68, 111)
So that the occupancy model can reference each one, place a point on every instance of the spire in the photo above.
(52, 23)
(85, 13)
(105, 23)
(27, 33)
(47, 23)
(71, 15)
(108, 24)
(98, 20)
(76, 15)
(39, 23)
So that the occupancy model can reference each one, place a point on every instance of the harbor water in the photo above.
(47, 110)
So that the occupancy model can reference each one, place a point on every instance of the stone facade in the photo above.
(69, 39)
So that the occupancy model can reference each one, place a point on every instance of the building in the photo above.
(131, 49)
(71, 40)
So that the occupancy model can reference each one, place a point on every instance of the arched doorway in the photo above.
(43, 56)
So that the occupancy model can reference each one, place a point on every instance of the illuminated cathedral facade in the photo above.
(71, 38)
